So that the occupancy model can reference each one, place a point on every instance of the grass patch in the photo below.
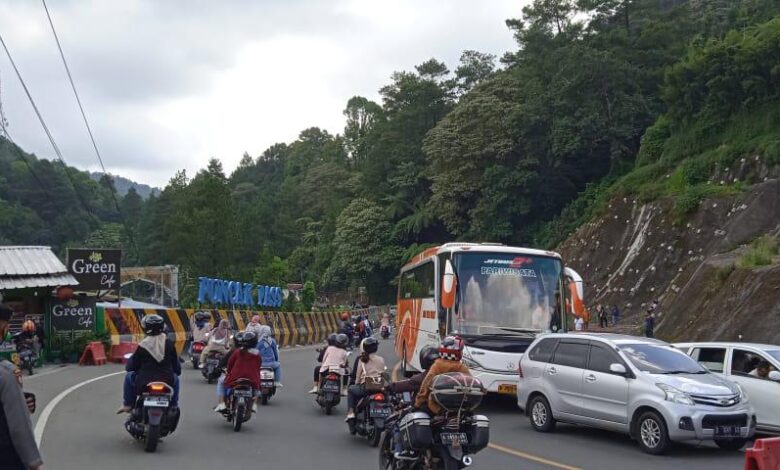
(724, 272)
(761, 252)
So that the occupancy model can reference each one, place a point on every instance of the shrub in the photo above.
(761, 252)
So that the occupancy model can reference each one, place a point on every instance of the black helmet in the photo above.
(341, 340)
(332, 339)
(428, 355)
(201, 316)
(369, 345)
(245, 339)
(153, 324)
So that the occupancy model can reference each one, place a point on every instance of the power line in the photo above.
(89, 130)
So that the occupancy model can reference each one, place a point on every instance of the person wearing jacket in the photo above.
(269, 352)
(200, 327)
(255, 326)
(333, 357)
(219, 340)
(155, 360)
(244, 363)
(450, 355)
(18, 450)
(371, 366)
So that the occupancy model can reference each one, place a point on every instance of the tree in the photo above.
(308, 296)
(362, 114)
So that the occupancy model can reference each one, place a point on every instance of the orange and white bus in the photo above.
(496, 297)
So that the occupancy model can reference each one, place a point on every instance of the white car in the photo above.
(739, 362)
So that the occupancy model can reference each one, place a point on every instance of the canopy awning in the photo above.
(32, 266)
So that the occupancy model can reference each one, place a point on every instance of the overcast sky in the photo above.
(169, 84)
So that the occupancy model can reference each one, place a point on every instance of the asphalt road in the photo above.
(83, 431)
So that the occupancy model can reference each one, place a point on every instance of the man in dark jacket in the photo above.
(18, 449)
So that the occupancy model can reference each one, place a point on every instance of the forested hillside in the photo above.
(520, 149)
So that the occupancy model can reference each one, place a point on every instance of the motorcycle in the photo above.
(239, 403)
(27, 356)
(211, 370)
(152, 416)
(267, 384)
(329, 392)
(370, 416)
(443, 442)
(385, 331)
(197, 349)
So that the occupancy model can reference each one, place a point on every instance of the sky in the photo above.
(167, 85)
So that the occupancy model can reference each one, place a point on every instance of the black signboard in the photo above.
(76, 314)
(96, 269)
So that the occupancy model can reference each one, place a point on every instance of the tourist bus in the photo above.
(496, 297)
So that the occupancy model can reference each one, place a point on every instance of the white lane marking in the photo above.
(27, 378)
(44, 418)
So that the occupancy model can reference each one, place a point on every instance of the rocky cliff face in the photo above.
(636, 252)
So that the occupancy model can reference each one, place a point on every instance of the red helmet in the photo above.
(451, 348)
(345, 316)
(28, 326)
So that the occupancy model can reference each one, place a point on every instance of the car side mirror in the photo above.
(449, 285)
(774, 376)
(618, 369)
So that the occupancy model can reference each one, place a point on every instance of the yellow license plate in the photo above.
(507, 389)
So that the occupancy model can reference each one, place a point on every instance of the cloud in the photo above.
(168, 85)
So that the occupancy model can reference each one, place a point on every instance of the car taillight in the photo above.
(157, 388)
(520, 368)
(378, 397)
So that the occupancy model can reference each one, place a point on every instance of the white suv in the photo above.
(639, 386)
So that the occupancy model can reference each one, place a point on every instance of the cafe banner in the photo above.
(76, 314)
(96, 269)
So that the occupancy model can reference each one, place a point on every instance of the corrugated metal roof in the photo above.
(51, 280)
(29, 261)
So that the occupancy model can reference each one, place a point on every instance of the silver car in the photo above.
(639, 386)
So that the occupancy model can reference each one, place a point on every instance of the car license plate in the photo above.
(727, 431)
(331, 387)
(156, 401)
(453, 438)
(507, 389)
(379, 412)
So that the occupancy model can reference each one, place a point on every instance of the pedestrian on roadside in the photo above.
(18, 449)
(579, 324)
(602, 313)
(649, 323)
(615, 315)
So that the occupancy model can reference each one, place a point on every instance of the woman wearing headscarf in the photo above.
(269, 352)
(219, 340)
(255, 326)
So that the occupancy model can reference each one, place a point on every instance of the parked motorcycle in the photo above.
(329, 392)
(267, 384)
(385, 331)
(152, 416)
(370, 415)
(210, 369)
(197, 349)
(239, 403)
(443, 442)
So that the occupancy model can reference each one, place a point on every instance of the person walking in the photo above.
(602, 313)
(615, 315)
(18, 449)
(649, 323)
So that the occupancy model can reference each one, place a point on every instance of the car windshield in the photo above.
(501, 293)
(657, 359)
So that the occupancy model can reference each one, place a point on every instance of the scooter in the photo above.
(385, 331)
(197, 349)
(369, 422)
(267, 384)
(211, 370)
(239, 404)
(152, 416)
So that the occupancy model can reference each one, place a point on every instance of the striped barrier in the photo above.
(290, 328)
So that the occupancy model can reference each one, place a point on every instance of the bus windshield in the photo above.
(502, 293)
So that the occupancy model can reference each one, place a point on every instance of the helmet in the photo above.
(369, 345)
(28, 326)
(344, 316)
(332, 339)
(202, 316)
(153, 324)
(341, 340)
(245, 339)
(451, 348)
(428, 355)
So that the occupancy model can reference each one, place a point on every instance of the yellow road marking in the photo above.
(532, 458)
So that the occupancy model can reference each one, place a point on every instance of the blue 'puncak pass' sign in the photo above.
(220, 292)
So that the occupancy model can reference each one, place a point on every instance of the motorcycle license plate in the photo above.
(266, 375)
(243, 393)
(267, 383)
(331, 387)
(379, 412)
(727, 431)
(156, 402)
(453, 438)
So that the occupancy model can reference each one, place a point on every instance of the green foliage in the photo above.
(308, 296)
(723, 273)
(761, 252)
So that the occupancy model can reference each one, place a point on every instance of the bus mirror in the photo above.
(449, 284)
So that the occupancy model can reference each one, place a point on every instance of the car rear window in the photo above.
(543, 350)
(571, 354)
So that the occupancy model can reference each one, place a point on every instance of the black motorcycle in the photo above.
(329, 392)
(27, 356)
(370, 416)
(267, 384)
(385, 331)
(239, 403)
(443, 442)
(152, 416)
(211, 370)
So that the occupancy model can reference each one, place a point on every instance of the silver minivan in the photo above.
(639, 386)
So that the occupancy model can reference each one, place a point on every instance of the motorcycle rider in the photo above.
(255, 326)
(334, 356)
(370, 365)
(348, 328)
(27, 339)
(200, 327)
(269, 352)
(244, 363)
(219, 340)
(450, 355)
(155, 360)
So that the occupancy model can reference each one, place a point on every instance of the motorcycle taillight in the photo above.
(378, 397)
(333, 377)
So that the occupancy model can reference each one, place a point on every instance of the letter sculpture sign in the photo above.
(219, 292)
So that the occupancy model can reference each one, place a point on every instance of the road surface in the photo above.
(83, 431)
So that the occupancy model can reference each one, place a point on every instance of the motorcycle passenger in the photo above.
(334, 356)
(269, 352)
(200, 328)
(26, 339)
(370, 365)
(219, 340)
(348, 328)
(244, 363)
(450, 355)
(255, 326)
(155, 360)
(321, 351)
